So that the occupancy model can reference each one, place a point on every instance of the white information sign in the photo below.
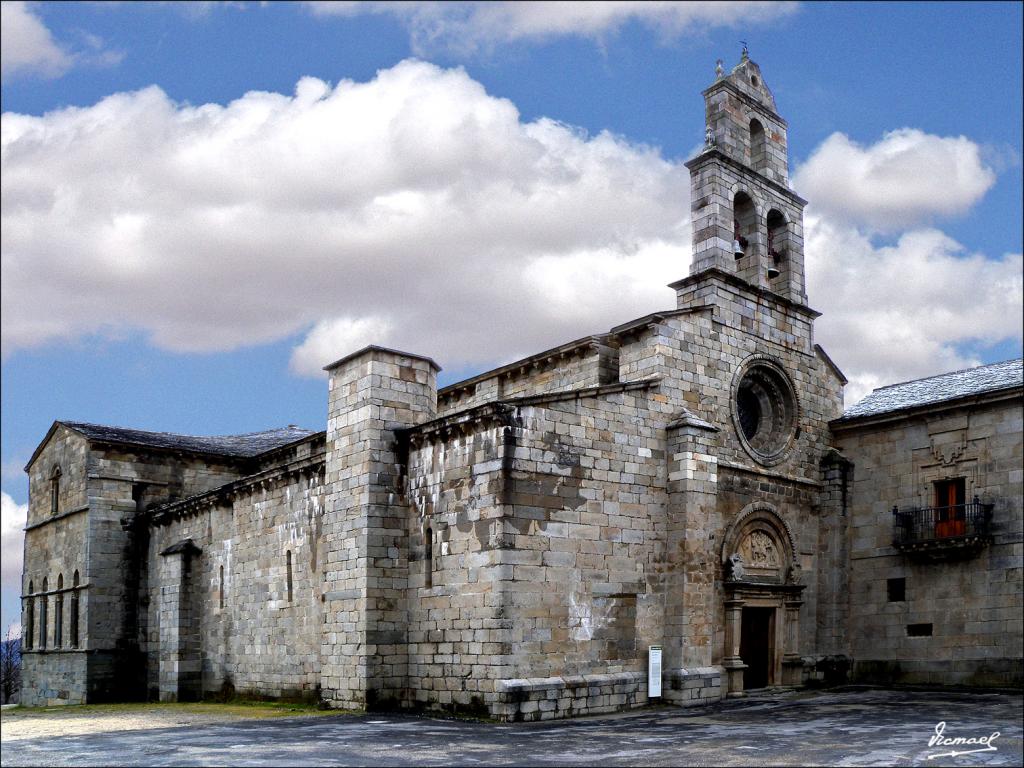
(654, 672)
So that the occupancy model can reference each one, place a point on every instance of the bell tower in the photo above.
(746, 220)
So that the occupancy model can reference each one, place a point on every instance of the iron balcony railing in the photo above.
(942, 525)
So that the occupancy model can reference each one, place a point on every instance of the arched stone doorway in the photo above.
(763, 594)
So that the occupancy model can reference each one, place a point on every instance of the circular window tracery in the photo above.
(765, 411)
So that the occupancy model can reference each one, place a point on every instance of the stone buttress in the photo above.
(364, 653)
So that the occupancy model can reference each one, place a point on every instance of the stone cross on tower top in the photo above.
(746, 219)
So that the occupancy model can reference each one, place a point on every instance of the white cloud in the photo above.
(26, 45)
(467, 27)
(419, 212)
(415, 207)
(12, 537)
(321, 344)
(906, 310)
(29, 48)
(906, 179)
(900, 312)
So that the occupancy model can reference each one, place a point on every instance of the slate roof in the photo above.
(938, 389)
(236, 446)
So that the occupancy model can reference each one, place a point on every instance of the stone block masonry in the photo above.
(364, 652)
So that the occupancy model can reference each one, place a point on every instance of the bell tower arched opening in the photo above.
(778, 236)
(744, 224)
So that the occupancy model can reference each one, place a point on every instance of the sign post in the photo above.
(654, 672)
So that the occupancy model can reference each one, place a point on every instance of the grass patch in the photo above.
(237, 708)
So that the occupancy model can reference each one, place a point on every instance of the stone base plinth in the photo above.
(693, 686)
(551, 698)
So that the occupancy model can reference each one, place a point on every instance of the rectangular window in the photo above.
(896, 590)
(950, 496)
(919, 630)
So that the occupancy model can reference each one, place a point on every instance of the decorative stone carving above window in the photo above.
(948, 452)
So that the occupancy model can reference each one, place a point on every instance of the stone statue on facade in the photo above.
(734, 567)
(795, 574)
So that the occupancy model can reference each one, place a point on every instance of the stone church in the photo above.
(516, 543)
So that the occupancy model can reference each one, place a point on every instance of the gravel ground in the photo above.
(826, 728)
(76, 721)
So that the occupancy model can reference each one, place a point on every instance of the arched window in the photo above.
(43, 607)
(428, 557)
(58, 614)
(289, 563)
(74, 611)
(775, 223)
(30, 617)
(744, 224)
(55, 490)
(221, 598)
(758, 147)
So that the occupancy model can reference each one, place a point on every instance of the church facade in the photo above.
(515, 544)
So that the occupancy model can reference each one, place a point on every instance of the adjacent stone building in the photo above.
(933, 471)
(513, 544)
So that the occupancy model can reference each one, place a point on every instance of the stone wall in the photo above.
(699, 353)
(586, 518)
(585, 363)
(122, 483)
(53, 677)
(55, 549)
(364, 642)
(458, 629)
(252, 637)
(569, 696)
(971, 604)
(543, 519)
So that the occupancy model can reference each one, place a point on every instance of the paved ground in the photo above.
(848, 728)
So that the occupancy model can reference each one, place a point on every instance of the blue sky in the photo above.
(182, 252)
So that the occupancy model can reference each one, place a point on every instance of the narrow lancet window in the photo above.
(428, 558)
(58, 613)
(289, 564)
(55, 490)
(30, 616)
(43, 608)
(74, 611)
(221, 596)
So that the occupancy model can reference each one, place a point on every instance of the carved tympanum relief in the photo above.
(759, 551)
